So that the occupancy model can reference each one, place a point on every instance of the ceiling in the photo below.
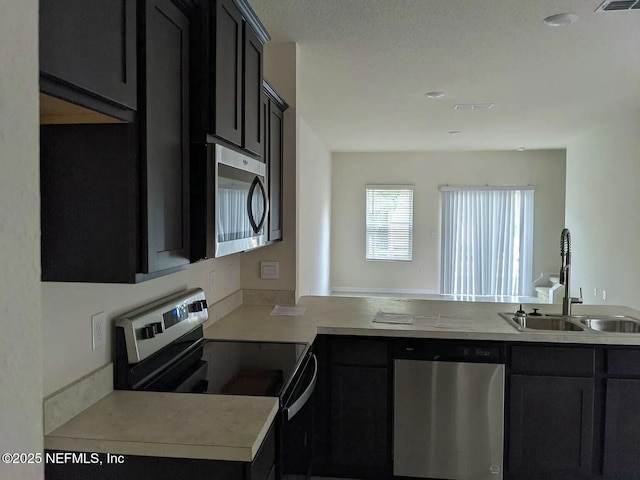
(365, 66)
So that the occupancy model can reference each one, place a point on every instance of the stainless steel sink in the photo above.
(543, 322)
(574, 323)
(611, 324)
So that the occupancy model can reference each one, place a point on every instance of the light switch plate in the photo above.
(270, 270)
(99, 330)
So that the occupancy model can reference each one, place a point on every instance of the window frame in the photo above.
(376, 255)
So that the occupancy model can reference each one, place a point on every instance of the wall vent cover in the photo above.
(618, 5)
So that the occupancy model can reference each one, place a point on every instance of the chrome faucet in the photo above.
(565, 253)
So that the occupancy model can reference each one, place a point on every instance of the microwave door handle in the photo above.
(257, 183)
(291, 410)
(252, 220)
(265, 202)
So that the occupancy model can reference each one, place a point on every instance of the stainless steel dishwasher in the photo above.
(448, 409)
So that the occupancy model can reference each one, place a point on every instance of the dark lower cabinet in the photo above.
(551, 427)
(352, 428)
(101, 466)
(165, 137)
(88, 52)
(622, 414)
(359, 412)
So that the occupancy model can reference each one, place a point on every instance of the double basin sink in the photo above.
(574, 323)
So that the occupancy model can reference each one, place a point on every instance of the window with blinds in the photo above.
(389, 222)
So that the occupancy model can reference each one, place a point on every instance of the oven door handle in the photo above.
(292, 410)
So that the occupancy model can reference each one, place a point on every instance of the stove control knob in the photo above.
(157, 327)
(204, 305)
(194, 307)
(148, 331)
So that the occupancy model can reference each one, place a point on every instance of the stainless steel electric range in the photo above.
(160, 347)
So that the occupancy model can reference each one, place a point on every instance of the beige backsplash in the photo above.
(269, 297)
(66, 403)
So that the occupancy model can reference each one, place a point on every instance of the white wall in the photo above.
(67, 309)
(20, 313)
(603, 201)
(314, 213)
(545, 170)
(280, 70)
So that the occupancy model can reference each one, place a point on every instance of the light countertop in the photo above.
(354, 316)
(212, 427)
(225, 427)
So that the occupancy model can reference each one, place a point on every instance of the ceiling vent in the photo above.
(474, 106)
(618, 5)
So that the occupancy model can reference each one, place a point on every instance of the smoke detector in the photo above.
(618, 5)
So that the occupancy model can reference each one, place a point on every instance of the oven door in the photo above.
(297, 422)
(241, 202)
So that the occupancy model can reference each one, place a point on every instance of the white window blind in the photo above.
(389, 222)
(487, 240)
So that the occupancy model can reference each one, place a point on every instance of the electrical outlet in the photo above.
(595, 291)
(99, 330)
(604, 294)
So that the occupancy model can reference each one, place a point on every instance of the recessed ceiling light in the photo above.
(434, 94)
(454, 132)
(560, 20)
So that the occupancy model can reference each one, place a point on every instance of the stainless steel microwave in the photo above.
(229, 202)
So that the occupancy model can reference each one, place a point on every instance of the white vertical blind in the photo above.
(487, 241)
(389, 222)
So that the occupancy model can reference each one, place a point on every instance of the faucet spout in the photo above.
(565, 272)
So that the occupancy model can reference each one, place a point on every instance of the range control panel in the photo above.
(151, 327)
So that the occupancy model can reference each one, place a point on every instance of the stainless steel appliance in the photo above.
(229, 202)
(448, 410)
(160, 347)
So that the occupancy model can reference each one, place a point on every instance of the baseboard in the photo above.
(404, 291)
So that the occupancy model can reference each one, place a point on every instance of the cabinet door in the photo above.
(550, 427)
(360, 445)
(166, 140)
(622, 429)
(275, 144)
(253, 131)
(92, 46)
(227, 74)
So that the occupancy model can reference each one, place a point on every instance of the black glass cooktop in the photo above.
(251, 368)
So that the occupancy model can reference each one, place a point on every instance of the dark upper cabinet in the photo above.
(227, 79)
(226, 107)
(89, 203)
(274, 108)
(115, 198)
(88, 52)
(165, 134)
(252, 125)
(275, 173)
